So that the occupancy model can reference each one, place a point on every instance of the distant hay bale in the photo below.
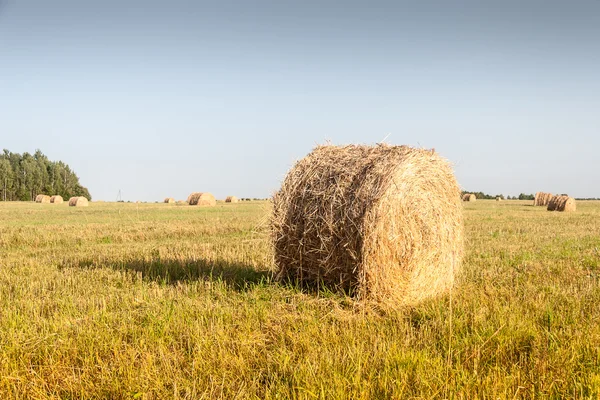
(169, 200)
(78, 202)
(498, 199)
(542, 199)
(201, 199)
(56, 199)
(231, 199)
(42, 198)
(469, 197)
(562, 203)
(382, 222)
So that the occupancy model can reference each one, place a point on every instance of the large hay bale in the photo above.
(56, 199)
(469, 197)
(382, 222)
(42, 198)
(78, 202)
(231, 199)
(201, 199)
(498, 198)
(562, 203)
(169, 200)
(542, 199)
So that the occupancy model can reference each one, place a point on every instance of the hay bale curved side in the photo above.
(56, 199)
(78, 202)
(469, 197)
(382, 222)
(542, 199)
(562, 203)
(202, 199)
(169, 200)
(42, 198)
(231, 199)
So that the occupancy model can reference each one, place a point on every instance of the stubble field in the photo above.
(154, 301)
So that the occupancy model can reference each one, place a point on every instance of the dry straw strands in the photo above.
(56, 199)
(562, 203)
(542, 199)
(201, 199)
(382, 222)
(231, 199)
(78, 201)
(42, 198)
(469, 197)
(169, 200)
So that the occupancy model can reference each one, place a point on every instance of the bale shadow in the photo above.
(238, 275)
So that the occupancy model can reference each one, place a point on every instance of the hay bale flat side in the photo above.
(78, 202)
(203, 199)
(384, 223)
(169, 200)
(56, 199)
(231, 199)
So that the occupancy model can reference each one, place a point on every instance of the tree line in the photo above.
(24, 176)
(484, 196)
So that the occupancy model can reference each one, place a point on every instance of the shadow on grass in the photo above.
(238, 275)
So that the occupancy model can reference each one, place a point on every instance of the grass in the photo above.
(155, 301)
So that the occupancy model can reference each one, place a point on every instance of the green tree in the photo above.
(22, 177)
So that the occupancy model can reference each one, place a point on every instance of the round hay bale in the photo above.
(542, 199)
(56, 199)
(469, 197)
(202, 199)
(498, 199)
(78, 202)
(231, 199)
(562, 204)
(169, 200)
(381, 222)
(42, 198)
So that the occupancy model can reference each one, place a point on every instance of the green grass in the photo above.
(155, 301)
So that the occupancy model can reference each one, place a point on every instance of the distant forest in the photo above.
(24, 176)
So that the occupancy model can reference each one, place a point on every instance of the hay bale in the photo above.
(231, 199)
(169, 200)
(562, 203)
(78, 202)
(56, 199)
(498, 199)
(382, 222)
(42, 198)
(469, 197)
(201, 199)
(542, 199)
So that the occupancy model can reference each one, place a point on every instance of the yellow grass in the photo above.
(143, 301)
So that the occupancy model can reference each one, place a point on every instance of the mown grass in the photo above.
(155, 301)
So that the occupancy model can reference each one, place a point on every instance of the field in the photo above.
(155, 301)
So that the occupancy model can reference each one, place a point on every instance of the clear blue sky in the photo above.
(162, 98)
